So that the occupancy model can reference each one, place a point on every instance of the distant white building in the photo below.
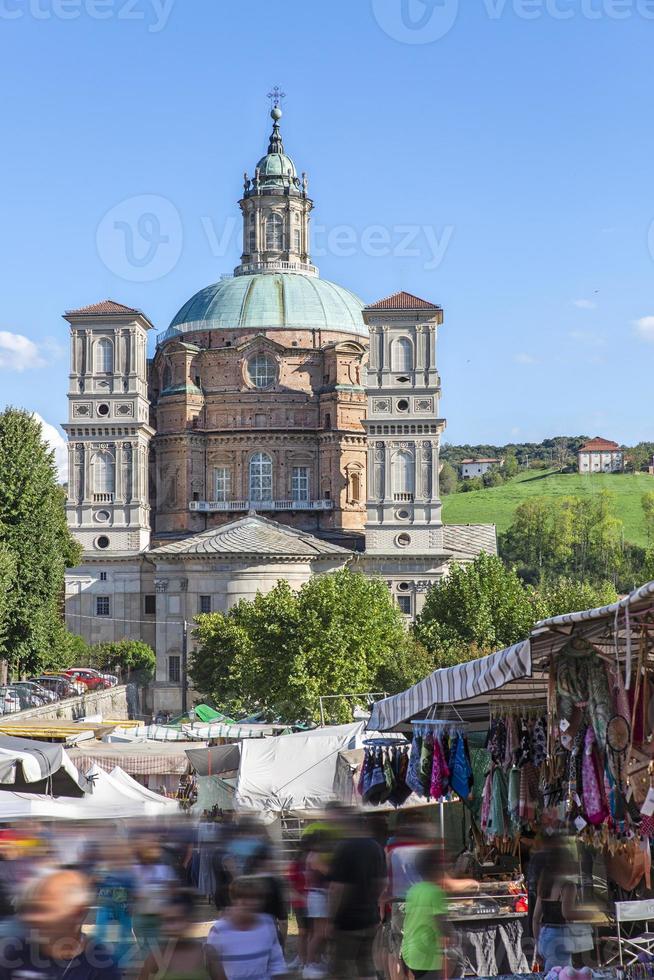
(600, 456)
(477, 467)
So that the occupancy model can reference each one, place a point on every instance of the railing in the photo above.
(403, 498)
(103, 498)
(275, 265)
(214, 506)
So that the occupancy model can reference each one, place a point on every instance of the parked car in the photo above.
(91, 679)
(36, 690)
(9, 700)
(61, 687)
(78, 686)
(112, 679)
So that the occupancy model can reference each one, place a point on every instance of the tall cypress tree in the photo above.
(34, 532)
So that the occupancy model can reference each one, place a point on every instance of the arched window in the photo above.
(355, 486)
(260, 477)
(297, 240)
(104, 474)
(104, 356)
(402, 354)
(403, 474)
(275, 233)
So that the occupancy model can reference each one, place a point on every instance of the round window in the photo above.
(103, 409)
(403, 405)
(402, 515)
(404, 540)
(403, 587)
(261, 371)
(103, 541)
(102, 516)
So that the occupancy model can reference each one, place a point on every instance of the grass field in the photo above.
(497, 504)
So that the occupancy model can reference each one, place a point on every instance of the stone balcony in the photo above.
(221, 506)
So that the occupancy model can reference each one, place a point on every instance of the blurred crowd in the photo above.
(220, 899)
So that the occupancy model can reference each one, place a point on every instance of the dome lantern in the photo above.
(275, 208)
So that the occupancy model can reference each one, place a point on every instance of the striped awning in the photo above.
(451, 685)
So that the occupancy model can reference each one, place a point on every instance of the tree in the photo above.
(479, 607)
(448, 479)
(33, 530)
(509, 467)
(340, 634)
(539, 540)
(566, 595)
(133, 659)
(7, 575)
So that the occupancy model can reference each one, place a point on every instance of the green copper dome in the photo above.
(272, 301)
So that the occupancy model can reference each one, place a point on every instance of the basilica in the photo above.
(282, 429)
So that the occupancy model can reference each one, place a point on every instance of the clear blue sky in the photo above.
(520, 145)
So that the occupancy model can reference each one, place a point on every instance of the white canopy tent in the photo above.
(112, 798)
(293, 773)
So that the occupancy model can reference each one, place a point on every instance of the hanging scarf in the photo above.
(461, 770)
(595, 805)
(539, 742)
(528, 793)
(496, 826)
(486, 797)
(401, 792)
(426, 762)
(413, 772)
(440, 773)
(513, 803)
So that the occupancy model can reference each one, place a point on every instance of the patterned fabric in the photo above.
(595, 805)
(413, 780)
(523, 751)
(498, 805)
(486, 801)
(581, 681)
(449, 685)
(461, 775)
(426, 762)
(440, 773)
(528, 793)
(514, 798)
(539, 742)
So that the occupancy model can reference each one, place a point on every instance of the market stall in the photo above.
(568, 716)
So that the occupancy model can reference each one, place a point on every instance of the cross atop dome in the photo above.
(276, 95)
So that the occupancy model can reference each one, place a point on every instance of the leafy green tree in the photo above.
(509, 467)
(33, 530)
(133, 660)
(479, 607)
(340, 634)
(539, 540)
(7, 575)
(447, 479)
(565, 595)
(474, 483)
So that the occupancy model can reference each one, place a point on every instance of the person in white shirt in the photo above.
(244, 945)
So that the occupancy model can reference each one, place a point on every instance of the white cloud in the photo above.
(645, 328)
(57, 443)
(18, 353)
(584, 304)
(524, 358)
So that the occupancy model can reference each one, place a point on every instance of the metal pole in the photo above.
(322, 715)
(184, 666)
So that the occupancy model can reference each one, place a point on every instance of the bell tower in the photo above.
(276, 208)
(108, 430)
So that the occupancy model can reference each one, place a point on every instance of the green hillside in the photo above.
(497, 504)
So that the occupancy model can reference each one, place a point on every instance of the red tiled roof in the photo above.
(482, 459)
(599, 445)
(106, 306)
(402, 301)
